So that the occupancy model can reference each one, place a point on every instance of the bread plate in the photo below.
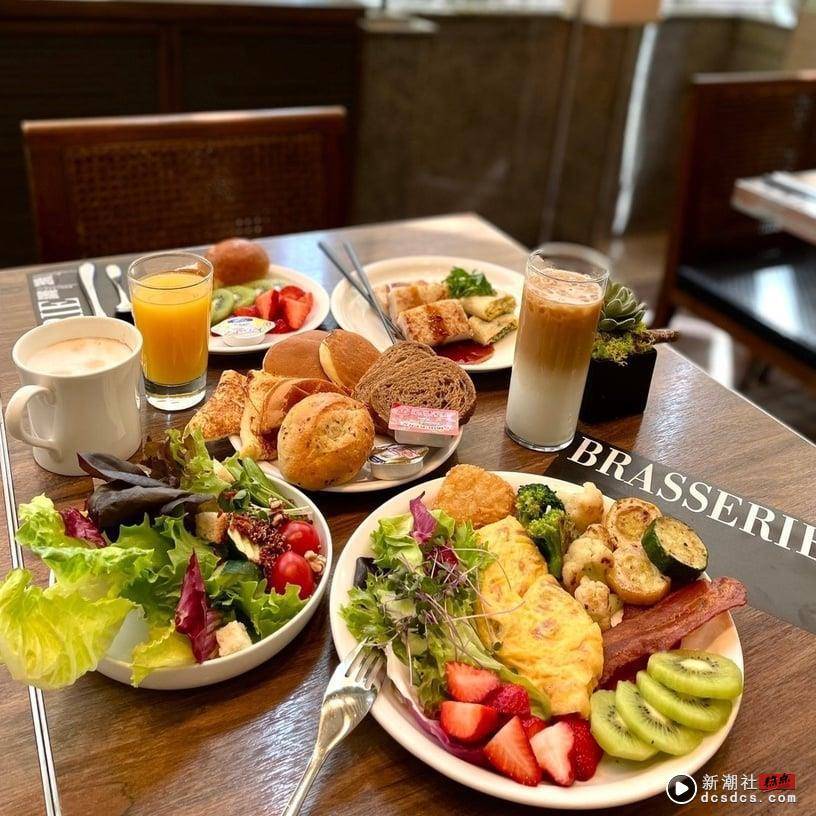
(365, 483)
(319, 312)
(353, 313)
(616, 782)
(116, 663)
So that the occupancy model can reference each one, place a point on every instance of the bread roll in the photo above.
(237, 260)
(324, 440)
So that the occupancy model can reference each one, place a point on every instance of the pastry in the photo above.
(346, 356)
(297, 356)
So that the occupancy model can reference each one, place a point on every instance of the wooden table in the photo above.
(239, 747)
(787, 209)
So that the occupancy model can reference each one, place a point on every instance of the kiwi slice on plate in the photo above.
(223, 302)
(261, 285)
(702, 713)
(244, 295)
(654, 728)
(702, 674)
(611, 732)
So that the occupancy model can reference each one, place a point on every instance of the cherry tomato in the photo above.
(291, 568)
(301, 537)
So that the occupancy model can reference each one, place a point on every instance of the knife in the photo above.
(86, 278)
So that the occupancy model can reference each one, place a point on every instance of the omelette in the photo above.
(535, 626)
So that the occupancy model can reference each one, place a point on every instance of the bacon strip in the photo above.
(660, 626)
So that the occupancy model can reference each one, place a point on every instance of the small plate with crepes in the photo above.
(549, 639)
(415, 292)
(320, 406)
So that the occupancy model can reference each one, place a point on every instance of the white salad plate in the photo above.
(364, 482)
(616, 782)
(116, 663)
(286, 277)
(353, 313)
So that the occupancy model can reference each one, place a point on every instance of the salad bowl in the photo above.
(616, 781)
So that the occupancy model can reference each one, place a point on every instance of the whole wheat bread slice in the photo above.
(412, 374)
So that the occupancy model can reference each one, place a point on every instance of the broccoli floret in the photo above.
(534, 500)
(552, 534)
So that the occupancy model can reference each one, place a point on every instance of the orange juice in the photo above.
(172, 311)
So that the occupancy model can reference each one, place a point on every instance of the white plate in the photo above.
(116, 664)
(353, 313)
(616, 782)
(320, 309)
(364, 481)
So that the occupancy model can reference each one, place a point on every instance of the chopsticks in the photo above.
(35, 696)
(363, 286)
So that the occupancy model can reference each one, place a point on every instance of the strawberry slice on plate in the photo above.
(294, 292)
(246, 311)
(509, 752)
(296, 310)
(468, 722)
(267, 304)
(510, 699)
(532, 725)
(469, 684)
(586, 753)
(553, 748)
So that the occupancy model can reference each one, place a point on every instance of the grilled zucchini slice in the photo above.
(635, 579)
(627, 519)
(675, 549)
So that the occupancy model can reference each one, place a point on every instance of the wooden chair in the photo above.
(745, 276)
(142, 183)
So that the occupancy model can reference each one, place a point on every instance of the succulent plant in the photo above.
(621, 310)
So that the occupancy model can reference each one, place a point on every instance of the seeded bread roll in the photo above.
(412, 374)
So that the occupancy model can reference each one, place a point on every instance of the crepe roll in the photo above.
(486, 332)
(488, 307)
(403, 298)
(435, 324)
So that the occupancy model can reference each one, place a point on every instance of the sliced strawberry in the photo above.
(295, 311)
(267, 304)
(532, 725)
(510, 699)
(468, 722)
(469, 684)
(246, 311)
(586, 753)
(294, 292)
(509, 752)
(280, 327)
(552, 748)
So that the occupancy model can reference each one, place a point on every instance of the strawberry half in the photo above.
(509, 699)
(552, 748)
(469, 684)
(586, 753)
(468, 722)
(267, 304)
(295, 311)
(532, 725)
(509, 752)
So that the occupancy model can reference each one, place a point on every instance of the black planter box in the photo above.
(614, 390)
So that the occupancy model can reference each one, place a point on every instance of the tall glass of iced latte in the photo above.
(563, 292)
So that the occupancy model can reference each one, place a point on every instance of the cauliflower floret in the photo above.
(585, 507)
(598, 532)
(601, 604)
(585, 557)
(232, 638)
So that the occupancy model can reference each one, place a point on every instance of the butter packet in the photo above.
(242, 331)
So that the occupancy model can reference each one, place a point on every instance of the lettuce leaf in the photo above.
(164, 648)
(79, 526)
(425, 524)
(50, 637)
(194, 615)
(266, 612)
(41, 525)
(197, 466)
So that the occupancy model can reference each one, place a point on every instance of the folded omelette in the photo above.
(537, 628)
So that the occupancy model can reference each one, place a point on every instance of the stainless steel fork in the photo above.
(351, 692)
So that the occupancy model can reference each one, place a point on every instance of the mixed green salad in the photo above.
(417, 598)
(208, 555)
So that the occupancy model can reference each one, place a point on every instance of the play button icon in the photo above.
(681, 789)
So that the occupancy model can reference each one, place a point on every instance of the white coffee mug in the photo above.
(71, 413)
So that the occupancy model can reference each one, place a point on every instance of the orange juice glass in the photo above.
(171, 294)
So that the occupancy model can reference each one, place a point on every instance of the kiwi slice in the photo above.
(702, 713)
(260, 285)
(647, 723)
(244, 295)
(611, 732)
(701, 674)
(223, 302)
